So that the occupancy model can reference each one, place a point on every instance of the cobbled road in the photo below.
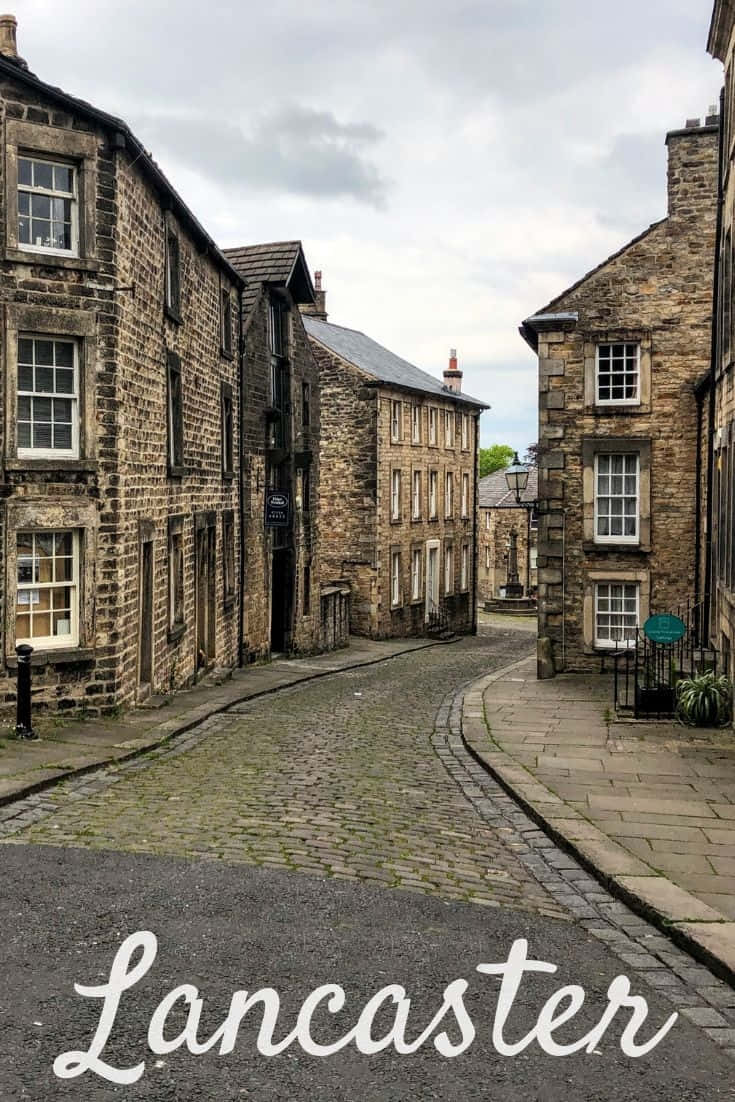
(336, 777)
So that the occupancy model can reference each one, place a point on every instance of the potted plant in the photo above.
(704, 700)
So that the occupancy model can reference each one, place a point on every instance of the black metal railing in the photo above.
(438, 619)
(646, 673)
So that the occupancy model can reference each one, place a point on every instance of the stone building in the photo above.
(620, 487)
(721, 392)
(503, 522)
(285, 609)
(119, 484)
(398, 501)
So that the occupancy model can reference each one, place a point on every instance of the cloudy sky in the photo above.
(450, 166)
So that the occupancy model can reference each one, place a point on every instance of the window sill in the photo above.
(61, 657)
(591, 547)
(416, 520)
(228, 476)
(172, 315)
(86, 466)
(226, 354)
(396, 520)
(229, 603)
(175, 633)
(176, 472)
(52, 260)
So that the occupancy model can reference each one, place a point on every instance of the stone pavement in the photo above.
(651, 807)
(70, 745)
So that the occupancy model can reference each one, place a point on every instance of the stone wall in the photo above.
(657, 292)
(110, 300)
(494, 530)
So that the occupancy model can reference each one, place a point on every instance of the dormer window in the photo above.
(47, 206)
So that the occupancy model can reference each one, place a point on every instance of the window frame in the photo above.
(617, 538)
(448, 569)
(51, 643)
(174, 417)
(449, 429)
(396, 588)
(465, 432)
(605, 402)
(599, 642)
(229, 559)
(75, 398)
(433, 495)
(417, 574)
(396, 420)
(227, 430)
(72, 196)
(415, 423)
(395, 494)
(226, 344)
(465, 495)
(448, 495)
(433, 427)
(176, 625)
(598, 445)
(464, 568)
(172, 267)
(416, 493)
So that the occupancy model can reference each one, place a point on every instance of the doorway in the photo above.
(145, 605)
(432, 577)
(205, 575)
(281, 598)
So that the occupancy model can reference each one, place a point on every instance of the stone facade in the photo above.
(722, 392)
(119, 507)
(284, 610)
(499, 517)
(398, 490)
(619, 354)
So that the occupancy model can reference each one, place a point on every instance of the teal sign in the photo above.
(665, 629)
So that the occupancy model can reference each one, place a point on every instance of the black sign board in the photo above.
(277, 508)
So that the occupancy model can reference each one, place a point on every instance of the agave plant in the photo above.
(704, 700)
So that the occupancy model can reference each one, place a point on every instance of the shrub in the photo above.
(704, 700)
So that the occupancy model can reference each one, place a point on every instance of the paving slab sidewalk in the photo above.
(650, 807)
(74, 745)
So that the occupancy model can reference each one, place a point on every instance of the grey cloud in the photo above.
(295, 150)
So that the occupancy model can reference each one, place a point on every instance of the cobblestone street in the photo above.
(337, 777)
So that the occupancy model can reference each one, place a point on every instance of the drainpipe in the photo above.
(241, 435)
(715, 351)
(475, 502)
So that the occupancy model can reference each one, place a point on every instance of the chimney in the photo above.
(452, 375)
(8, 47)
(319, 308)
(692, 170)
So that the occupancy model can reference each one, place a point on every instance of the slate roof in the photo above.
(274, 262)
(378, 362)
(17, 70)
(493, 492)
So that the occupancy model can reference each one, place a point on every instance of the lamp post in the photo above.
(517, 478)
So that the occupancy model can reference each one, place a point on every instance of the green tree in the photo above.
(495, 458)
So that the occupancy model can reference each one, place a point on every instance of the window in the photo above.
(416, 424)
(395, 495)
(618, 374)
(416, 574)
(395, 578)
(533, 520)
(432, 426)
(448, 569)
(395, 421)
(416, 496)
(48, 397)
(465, 495)
(228, 556)
(465, 432)
(487, 557)
(226, 323)
(616, 613)
(277, 316)
(464, 567)
(533, 558)
(448, 494)
(305, 405)
(487, 520)
(47, 595)
(726, 297)
(176, 575)
(47, 206)
(172, 299)
(433, 493)
(302, 489)
(175, 415)
(227, 429)
(616, 498)
(448, 429)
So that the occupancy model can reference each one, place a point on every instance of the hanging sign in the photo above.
(277, 508)
(665, 629)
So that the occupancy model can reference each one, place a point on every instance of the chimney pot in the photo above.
(8, 27)
(453, 376)
(317, 281)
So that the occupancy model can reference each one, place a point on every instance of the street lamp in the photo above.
(517, 478)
